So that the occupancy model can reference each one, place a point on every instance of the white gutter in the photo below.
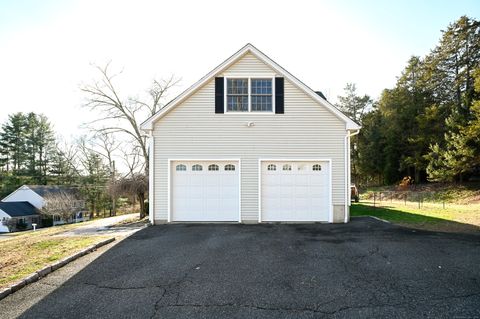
(348, 171)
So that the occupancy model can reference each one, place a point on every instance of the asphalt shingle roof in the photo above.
(17, 209)
(45, 190)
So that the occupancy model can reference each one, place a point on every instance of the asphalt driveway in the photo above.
(364, 269)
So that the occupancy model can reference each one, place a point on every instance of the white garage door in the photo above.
(295, 191)
(205, 191)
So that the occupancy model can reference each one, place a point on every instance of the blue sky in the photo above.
(414, 23)
(47, 47)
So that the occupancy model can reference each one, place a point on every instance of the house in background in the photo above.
(39, 195)
(20, 215)
(249, 143)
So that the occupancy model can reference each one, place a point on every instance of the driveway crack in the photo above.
(172, 286)
(120, 288)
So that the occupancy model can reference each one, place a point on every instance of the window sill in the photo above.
(250, 112)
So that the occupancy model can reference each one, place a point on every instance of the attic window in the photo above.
(249, 95)
(261, 94)
(237, 95)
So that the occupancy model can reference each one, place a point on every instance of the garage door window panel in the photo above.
(213, 167)
(197, 168)
(181, 167)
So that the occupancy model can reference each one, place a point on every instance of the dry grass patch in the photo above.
(28, 252)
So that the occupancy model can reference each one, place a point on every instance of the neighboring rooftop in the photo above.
(45, 190)
(17, 209)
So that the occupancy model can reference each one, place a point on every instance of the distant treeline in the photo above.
(29, 152)
(428, 125)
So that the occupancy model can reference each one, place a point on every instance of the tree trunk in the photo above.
(417, 175)
(114, 194)
(141, 199)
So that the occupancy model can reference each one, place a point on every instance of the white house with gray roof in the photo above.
(38, 195)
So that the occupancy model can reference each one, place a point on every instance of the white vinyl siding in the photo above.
(193, 130)
(25, 194)
(247, 66)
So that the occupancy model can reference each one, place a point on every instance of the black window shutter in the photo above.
(219, 95)
(279, 100)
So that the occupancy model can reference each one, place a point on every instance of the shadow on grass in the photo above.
(412, 220)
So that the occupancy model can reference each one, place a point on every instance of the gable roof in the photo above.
(46, 190)
(249, 48)
(17, 209)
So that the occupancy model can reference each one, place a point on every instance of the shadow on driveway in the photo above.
(362, 269)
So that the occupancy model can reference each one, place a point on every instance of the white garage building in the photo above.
(249, 143)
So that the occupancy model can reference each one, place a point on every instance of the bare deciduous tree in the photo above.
(67, 163)
(135, 185)
(60, 204)
(120, 115)
(132, 159)
(105, 145)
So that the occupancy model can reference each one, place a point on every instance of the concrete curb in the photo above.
(50, 268)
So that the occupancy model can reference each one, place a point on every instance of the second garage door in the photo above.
(295, 191)
(205, 191)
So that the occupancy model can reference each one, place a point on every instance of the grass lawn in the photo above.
(452, 218)
(26, 252)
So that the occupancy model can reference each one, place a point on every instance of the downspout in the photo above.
(151, 181)
(348, 172)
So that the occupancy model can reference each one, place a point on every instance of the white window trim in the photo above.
(313, 160)
(249, 78)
